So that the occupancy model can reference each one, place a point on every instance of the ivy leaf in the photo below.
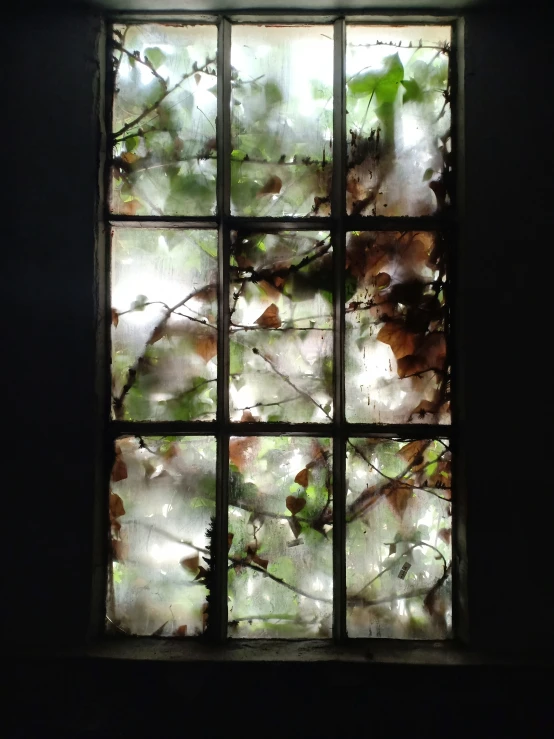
(295, 505)
(413, 453)
(190, 563)
(428, 174)
(413, 91)
(155, 56)
(119, 469)
(139, 303)
(272, 186)
(181, 631)
(131, 143)
(399, 496)
(401, 342)
(383, 84)
(445, 535)
(270, 318)
(206, 346)
(302, 478)
(116, 506)
(273, 94)
(115, 317)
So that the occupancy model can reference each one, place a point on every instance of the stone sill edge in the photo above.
(360, 651)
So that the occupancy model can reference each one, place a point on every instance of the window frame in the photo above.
(338, 224)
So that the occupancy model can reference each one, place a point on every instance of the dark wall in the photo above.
(49, 349)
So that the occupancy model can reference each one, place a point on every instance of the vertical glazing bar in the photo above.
(218, 604)
(339, 240)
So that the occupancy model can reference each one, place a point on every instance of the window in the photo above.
(281, 204)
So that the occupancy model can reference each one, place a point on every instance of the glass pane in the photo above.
(397, 98)
(396, 360)
(280, 530)
(164, 120)
(164, 332)
(398, 539)
(282, 120)
(161, 500)
(281, 342)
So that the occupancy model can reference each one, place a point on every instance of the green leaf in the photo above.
(238, 155)
(236, 358)
(413, 91)
(155, 56)
(202, 503)
(273, 94)
(139, 302)
(132, 143)
(383, 84)
(189, 189)
(428, 174)
(319, 92)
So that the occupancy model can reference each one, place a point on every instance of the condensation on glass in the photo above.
(398, 120)
(164, 324)
(395, 320)
(398, 539)
(165, 99)
(281, 327)
(282, 120)
(162, 495)
(280, 537)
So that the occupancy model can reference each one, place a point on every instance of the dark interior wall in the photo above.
(49, 349)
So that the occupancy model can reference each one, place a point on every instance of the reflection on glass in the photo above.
(282, 120)
(161, 500)
(164, 120)
(398, 539)
(398, 120)
(164, 324)
(280, 528)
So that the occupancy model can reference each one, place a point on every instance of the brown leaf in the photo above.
(272, 186)
(242, 450)
(119, 469)
(260, 562)
(230, 538)
(302, 478)
(197, 78)
(413, 453)
(190, 563)
(115, 317)
(130, 207)
(270, 318)
(399, 496)
(401, 342)
(181, 631)
(270, 289)
(445, 535)
(129, 158)
(382, 280)
(116, 506)
(172, 451)
(206, 346)
(409, 366)
(433, 350)
(247, 417)
(158, 333)
(295, 505)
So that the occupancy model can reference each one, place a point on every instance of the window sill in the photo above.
(360, 652)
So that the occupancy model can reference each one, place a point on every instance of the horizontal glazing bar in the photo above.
(191, 428)
(162, 222)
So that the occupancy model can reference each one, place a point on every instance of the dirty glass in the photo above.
(398, 539)
(164, 324)
(398, 120)
(164, 111)
(395, 319)
(281, 326)
(162, 495)
(282, 120)
(280, 537)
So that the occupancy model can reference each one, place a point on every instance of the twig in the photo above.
(155, 105)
